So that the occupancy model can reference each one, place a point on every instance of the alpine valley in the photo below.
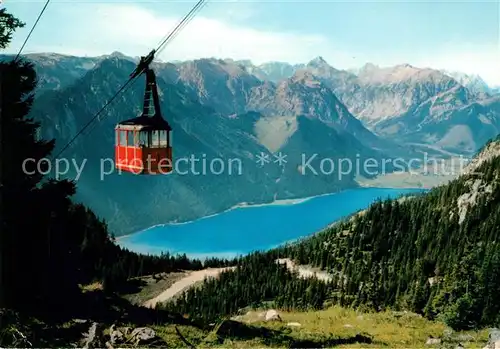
(226, 109)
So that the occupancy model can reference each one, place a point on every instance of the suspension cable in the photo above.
(32, 29)
(128, 83)
(180, 25)
(169, 37)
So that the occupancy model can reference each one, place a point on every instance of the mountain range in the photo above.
(424, 107)
(453, 111)
(228, 109)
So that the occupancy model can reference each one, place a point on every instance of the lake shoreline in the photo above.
(236, 231)
(241, 205)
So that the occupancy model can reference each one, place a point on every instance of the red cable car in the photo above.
(143, 143)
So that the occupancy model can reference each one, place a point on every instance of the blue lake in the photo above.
(245, 229)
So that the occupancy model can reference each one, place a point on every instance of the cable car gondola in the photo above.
(143, 143)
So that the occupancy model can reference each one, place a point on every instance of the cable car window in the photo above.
(163, 139)
(155, 139)
(169, 138)
(130, 138)
(143, 139)
(136, 138)
(123, 138)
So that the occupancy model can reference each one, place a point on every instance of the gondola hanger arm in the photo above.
(143, 64)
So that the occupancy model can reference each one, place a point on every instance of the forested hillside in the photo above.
(437, 254)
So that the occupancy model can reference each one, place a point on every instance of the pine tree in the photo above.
(35, 251)
(8, 25)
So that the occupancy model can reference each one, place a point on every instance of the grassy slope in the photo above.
(335, 326)
(332, 327)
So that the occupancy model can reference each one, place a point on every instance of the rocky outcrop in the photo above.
(433, 341)
(98, 337)
(493, 339)
(488, 152)
(272, 315)
(478, 190)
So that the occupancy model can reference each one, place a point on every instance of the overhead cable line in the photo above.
(180, 25)
(31, 31)
(95, 116)
(161, 45)
(138, 72)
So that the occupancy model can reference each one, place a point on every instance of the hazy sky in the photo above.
(454, 35)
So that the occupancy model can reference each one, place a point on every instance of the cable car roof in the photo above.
(145, 123)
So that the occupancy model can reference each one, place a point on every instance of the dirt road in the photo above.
(305, 271)
(183, 284)
(199, 275)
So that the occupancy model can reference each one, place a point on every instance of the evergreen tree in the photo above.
(34, 243)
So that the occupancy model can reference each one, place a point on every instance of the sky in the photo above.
(454, 35)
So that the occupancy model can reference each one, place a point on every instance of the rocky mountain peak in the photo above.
(303, 76)
(213, 67)
(473, 82)
(117, 54)
(368, 67)
(318, 61)
(120, 55)
(244, 62)
(402, 73)
(275, 71)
